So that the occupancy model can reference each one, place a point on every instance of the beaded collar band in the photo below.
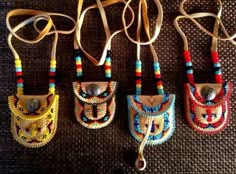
(207, 105)
(34, 117)
(95, 102)
(151, 117)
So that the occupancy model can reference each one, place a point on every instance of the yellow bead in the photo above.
(20, 91)
(138, 85)
(52, 90)
(53, 62)
(107, 71)
(138, 70)
(159, 86)
(157, 72)
(78, 62)
(79, 70)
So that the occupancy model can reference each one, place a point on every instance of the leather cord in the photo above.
(80, 19)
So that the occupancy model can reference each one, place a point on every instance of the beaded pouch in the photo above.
(95, 102)
(207, 105)
(208, 116)
(151, 117)
(159, 109)
(34, 117)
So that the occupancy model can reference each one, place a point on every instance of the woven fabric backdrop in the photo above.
(75, 149)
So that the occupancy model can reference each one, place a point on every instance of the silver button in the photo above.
(93, 90)
(32, 105)
(208, 93)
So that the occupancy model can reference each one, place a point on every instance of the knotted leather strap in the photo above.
(49, 28)
(80, 19)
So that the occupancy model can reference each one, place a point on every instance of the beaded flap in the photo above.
(160, 108)
(95, 103)
(207, 106)
(33, 118)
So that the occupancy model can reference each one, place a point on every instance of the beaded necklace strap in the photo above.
(49, 29)
(143, 14)
(214, 35)
(106, 54)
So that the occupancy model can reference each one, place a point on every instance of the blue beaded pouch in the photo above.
(159, 108)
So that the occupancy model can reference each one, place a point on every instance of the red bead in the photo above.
(159, 83)
(107, 67)
(215, 57)
(218, 78)
(138, 81)
(138, 74)
(78, 66)
(190, 78)
(187, 56)
(20, 80)
(51, 80)
(18, 73)
(157, 76)
(52, 74)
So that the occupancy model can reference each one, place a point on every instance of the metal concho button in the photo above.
(93, 90)
(208, 93)
(32, 105)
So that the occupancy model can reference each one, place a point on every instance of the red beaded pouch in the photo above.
(207, 105)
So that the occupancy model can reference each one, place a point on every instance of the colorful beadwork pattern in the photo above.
(163, 114)
(95, 111)
(33, 129)
(208, 116)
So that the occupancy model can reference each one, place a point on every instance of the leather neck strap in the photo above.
(80, 19)
(143, 20)
(49, 28)
(213, 34)
(215, 38)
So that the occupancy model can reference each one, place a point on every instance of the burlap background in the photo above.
(76, 149)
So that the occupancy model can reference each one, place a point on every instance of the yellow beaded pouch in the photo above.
(151, 117)
(95, 102)
(34, 117)
(33, 128)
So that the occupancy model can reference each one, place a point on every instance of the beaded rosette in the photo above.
(95, 102)
(33, 128)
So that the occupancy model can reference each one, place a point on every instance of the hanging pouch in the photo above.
(207, 105)
(34, 117)
(204, 115)
(95, 102)
(159, 108)
(151, 117)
